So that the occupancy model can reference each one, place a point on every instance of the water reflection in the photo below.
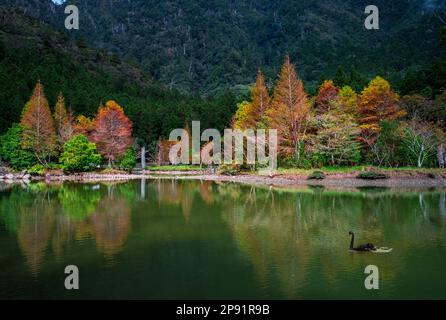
(55, 215)
(34, 231)
(295, 233)
(295, 241)
(111, 225)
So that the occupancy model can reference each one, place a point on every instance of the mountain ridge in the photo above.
(32, 51)
(204, 46)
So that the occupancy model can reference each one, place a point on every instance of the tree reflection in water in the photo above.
(56, 215)
(294, 232)
(291, 237)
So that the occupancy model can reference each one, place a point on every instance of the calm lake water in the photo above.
(165, 239)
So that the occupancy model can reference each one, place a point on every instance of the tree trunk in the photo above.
(297, 151)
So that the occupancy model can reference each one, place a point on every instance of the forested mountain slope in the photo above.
(31, 51)
(206, 45)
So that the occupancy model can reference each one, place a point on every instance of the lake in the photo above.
(184, 239)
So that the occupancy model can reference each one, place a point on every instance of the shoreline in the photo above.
(401, 179)
(295, 181)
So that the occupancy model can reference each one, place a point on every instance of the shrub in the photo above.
(37, 170)
(11, 149)
(431, 175)
(316, 175)
(79, 155)
(370, 175)
(54, 166)
(229, 170)
(111, 171)
(128, 160)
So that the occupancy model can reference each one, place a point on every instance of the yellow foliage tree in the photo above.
(348, 101)
(252, 115)
(63, 122)
(84, 126)
(377, 102)
(244, 110)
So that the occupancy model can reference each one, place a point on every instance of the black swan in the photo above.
(362, 247)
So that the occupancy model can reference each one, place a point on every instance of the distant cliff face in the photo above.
(205, 45)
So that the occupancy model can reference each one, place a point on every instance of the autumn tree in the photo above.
(289, 111)
(417, 106)
(327, 94)
(433, 111)
(63, 122)
(38, 129)
(260, 102)
(163, 148)
(377, 102)
(84, 125)
(348, 101)
(336, 140)
(112, 131)
(242, 115)
(251, 115)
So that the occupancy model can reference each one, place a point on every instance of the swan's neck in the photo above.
(352, 241)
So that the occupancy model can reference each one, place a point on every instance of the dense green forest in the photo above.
(32, 51)
(204, 46)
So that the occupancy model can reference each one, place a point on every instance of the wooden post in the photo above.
(143, 188)
(143, 159)
(441, 155)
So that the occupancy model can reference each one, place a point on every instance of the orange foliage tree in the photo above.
(112, 131)
(289, 111)
(261, 102)
(38, 129)
(377, 102)
(328, 93)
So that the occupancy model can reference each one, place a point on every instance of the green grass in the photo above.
(334, 170)
(324, 170)
(299, 171)
(423, 170)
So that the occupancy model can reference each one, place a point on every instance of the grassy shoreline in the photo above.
(283, 177)
(328, 171)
